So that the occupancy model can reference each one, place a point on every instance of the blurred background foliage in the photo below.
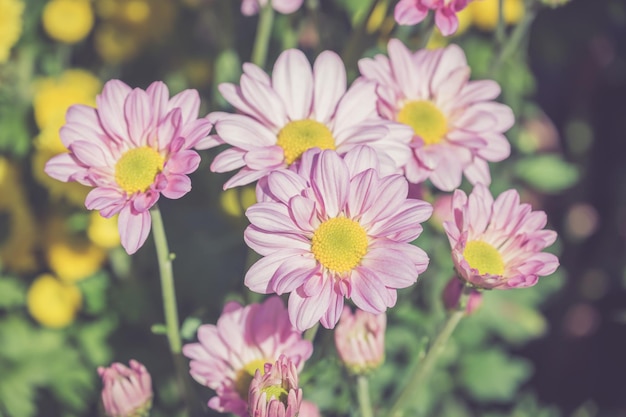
(71, 299)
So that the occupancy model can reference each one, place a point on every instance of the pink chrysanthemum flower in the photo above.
(333, 229)
(126, 392)
(360, 340)
(498, 244)
(411, 12)
(228, 354)
(297, 109)
(274, 391)
(135, 146)
(457, 128)
(252, 7)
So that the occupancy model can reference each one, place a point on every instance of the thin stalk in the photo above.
(355, 45)
(363, 396)
(427, 31)
(172, 326)
(310, 333)
(263, 34)
(514, 41)
(499, 33)
(425, 367)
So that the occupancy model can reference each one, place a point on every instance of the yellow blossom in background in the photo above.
(18, 234)
(484, 13)
(128, 25)
(102, 231)
(53, 303)
(10, 26)
(53, 96)
(235, 201)
(73, 259)
(68, 21)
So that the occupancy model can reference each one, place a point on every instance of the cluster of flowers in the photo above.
(334, 217)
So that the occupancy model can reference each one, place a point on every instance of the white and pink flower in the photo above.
(360, 340)
(331, 229)
(126, 392)
(457, 127)
(412, 12)
(299, 108)
(135, 146)
(244, 340)
(498, 244)
(274, 390)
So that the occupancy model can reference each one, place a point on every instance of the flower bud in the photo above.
(127, 392)
(452, 294)
(275, 392)
(360, 340)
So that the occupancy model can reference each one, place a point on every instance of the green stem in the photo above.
(263, 32)
(513, 42)
(355, 45)
(363, 395)
(427, 31)
(172, 326)
(501, 26)
(425, 367)
(165, 258)
(310, 333)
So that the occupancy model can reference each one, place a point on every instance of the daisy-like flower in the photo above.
(332, 229)
(411, 12)
(135, 146)
(274, 391)
(228, 354)
(498, 244)
(457, 128)
(252, 7)
(299, 108)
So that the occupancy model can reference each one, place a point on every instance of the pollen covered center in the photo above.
(246, 374)
(301, 135)
(276, 391)
(339, 244)
(137, 168)
(483, 257)
(427, 121)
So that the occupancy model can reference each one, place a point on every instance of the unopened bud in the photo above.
(452, 295)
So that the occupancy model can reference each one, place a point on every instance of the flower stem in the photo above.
(425, 367)
(363, 395)
(513, 42)
(165, 258)
(263, 32)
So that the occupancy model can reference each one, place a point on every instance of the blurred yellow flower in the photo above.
(52, 303)
(73, 259)
(18, 232)
(235, 201)
(68, 21)
(115, 44)
(10, 26)
(54, 95)
(102, 231)
(485, 13)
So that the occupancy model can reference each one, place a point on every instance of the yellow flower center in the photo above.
(276, 391)
(427, 121)
(483, 257)
(246, 374)
(137, 168)
(300, 135)
(339, 244)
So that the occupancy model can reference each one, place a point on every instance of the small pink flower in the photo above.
(309, 409)
(300, 108)
(452, 295)
(228, 354)
(134, 147)
(411, 12)
(252, 7)
(274, 391)
(127, 392)
(335, 228)
(457, 128)
(360, 340)
(498, 244)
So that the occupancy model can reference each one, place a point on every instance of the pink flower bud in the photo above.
(127, 392)
(360, 340)
(275, 392)
(452, 294)
(309, 409)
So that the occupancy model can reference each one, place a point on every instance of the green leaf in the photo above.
(547, 173)
(491, 375)
(94, 291)
(12, 293)
(227, 69)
